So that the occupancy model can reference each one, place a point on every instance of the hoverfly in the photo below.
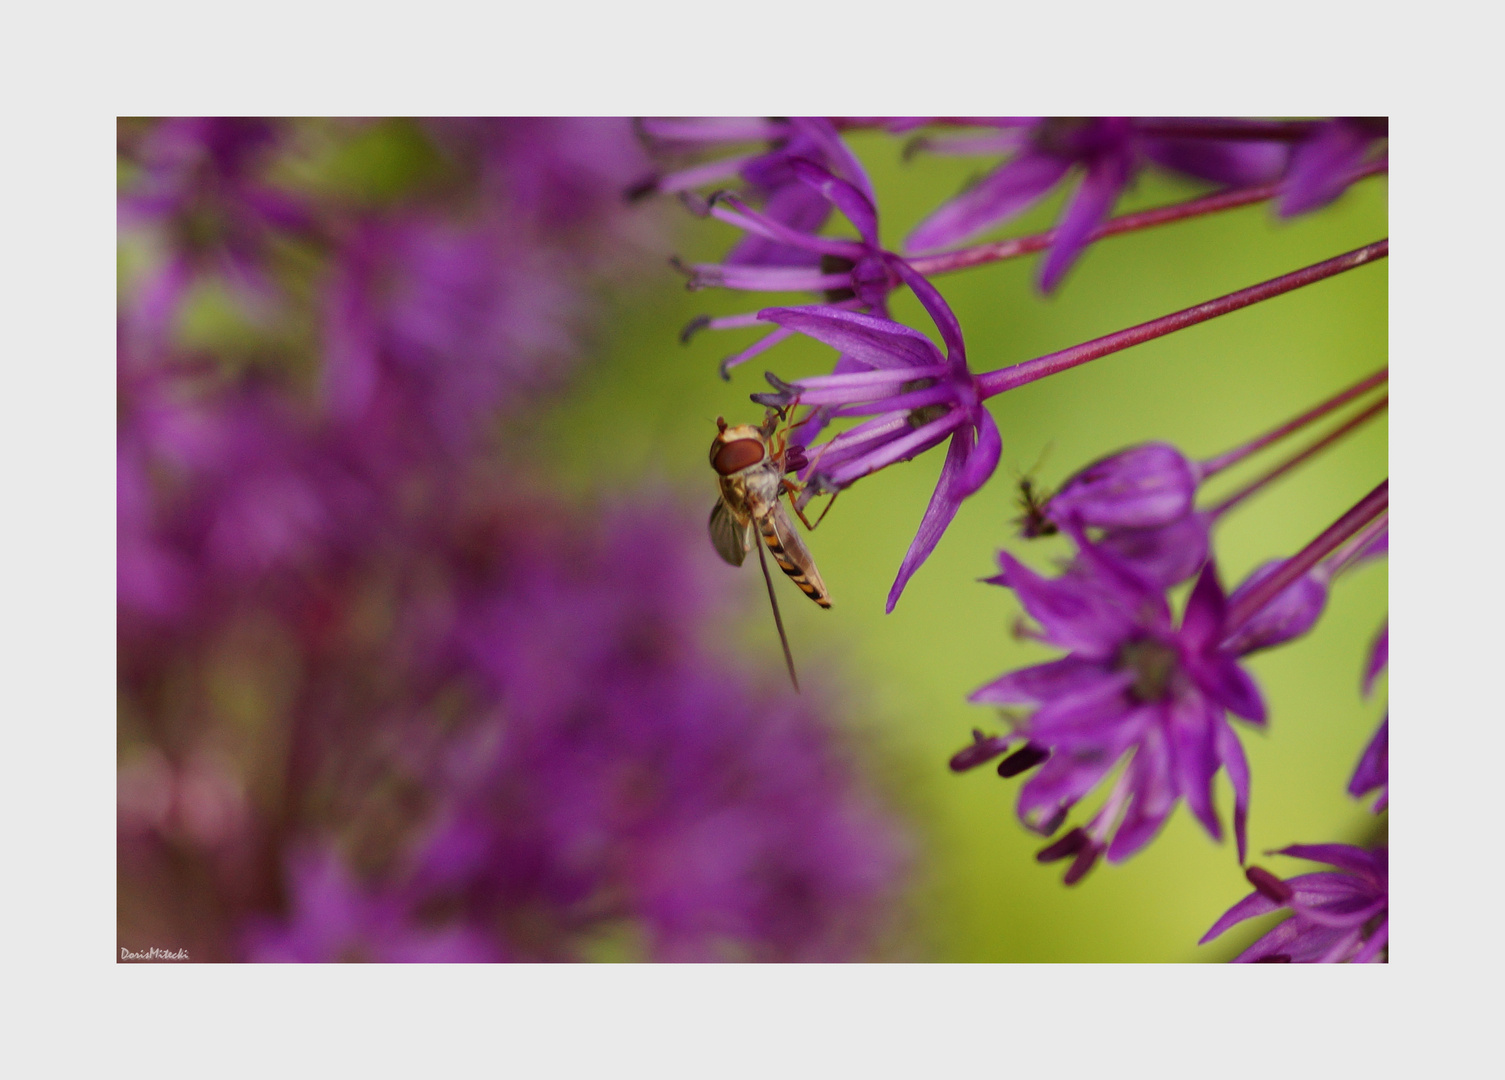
(749, 463)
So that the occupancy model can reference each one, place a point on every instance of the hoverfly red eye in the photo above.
(738, 455)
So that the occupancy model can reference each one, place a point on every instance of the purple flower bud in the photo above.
(1143, 487)
(1288, 616)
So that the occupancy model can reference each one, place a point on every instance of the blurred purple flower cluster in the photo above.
(381, 696)
(1142, 696)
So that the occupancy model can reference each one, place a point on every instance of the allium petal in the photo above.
(1154, 795)
(1290, 614)
(944, 503)
(1202, 623)
(799, 208)
(1371, 864)
(983, 458)
(838, 156)
(1231, 753)
(1067, 677)
(1231, 687)
(1099, 715)
(1140, 488)
(1321, 165)
(881, 343)
(1373, 770)
(1093, 201)
(1167, 555)
(999, 196)
(1075, 612)
(1379, 657)
(1222, 161)
(1193, 729)
(940, 312)
(1250, 907)
(857, 207)
(1062, 781)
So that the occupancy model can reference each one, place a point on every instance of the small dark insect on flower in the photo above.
(1032, 500)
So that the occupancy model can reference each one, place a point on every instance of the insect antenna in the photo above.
(777, 618)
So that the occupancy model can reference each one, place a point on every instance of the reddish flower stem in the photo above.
(1001, 250)
(1213, 466)
(1302, 455)
(1009, 378)
(1351, 552)
(1364, 511)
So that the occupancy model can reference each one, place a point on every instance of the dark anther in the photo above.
(836, 264)
(1068, 845)
(794, 459)
(1269, 886)
(641, 190)
(695, 204)
(1274, 958)
(984, 748)
(724, 369)
(1022, 760)
(693, 327)
(772, 401)
(1052, 823)
(1086, 859)
(914, 146)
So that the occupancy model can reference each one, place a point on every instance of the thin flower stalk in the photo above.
(1306, 453)
(1003, 250)
(1367, 509)
(1010, 378)
(1212, 466)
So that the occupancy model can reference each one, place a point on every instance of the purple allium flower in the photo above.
(1109, 151)
(334, 918)
(1324, 164)
(1337, 917)
(787, 200)
(1134, 685)
(916, 396)
(200, 186)
(433, 325)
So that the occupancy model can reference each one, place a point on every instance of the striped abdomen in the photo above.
(792, 556)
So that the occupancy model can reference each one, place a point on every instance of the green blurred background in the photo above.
(644, 410)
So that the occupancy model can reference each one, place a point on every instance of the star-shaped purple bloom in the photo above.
(1136, 686)
(1337, 917)
(1108, 150)
(916, 395)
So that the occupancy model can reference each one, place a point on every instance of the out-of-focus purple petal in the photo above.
(1098, 715)
(1202, 623)
(1063, 780)
(1154, 796)
(1231, 753)
(1379, 657)
(880, 343)
(1075, 614)
(1231, 686)
(1044, 682)
(1093, 202)
(1169, 554)
(1250, 907)
(1373, 770)
(1232, 161)
(1374, 865)
(1195, 758)
(999, 196)
(1143, 487)
(1321, 166)
(1289, 615)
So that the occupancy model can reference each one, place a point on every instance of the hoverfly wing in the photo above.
(730, 540)
(792, 555)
